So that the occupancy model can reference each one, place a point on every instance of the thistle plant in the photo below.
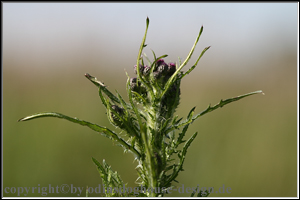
(153, 133)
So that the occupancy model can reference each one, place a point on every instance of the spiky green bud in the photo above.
(116, 115)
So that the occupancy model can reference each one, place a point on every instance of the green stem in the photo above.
(153, 122)
(151, 169)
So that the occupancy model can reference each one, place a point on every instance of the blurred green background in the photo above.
(249, 146)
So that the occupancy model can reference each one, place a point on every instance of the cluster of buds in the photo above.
(157, 74)
(161, 69)
(161, 73)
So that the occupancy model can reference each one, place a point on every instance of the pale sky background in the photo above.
(50, 36)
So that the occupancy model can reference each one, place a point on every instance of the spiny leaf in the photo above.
(179, 61)
(100, 168)
(110, 179)
(178, 168)
(203, 193)
(102, 87)
(101, 171)
(188, 143)
(139, 57)
(193, 193)
(191, 69)
(139, 97)
(107, 132)
(181, 135)
(200, 192)
(191, 52)
(189, 117)
(125, 105)
(173, 77)
(116, 180)
(209, 109)
(87, 191)
(191, 113)
(104, 101)
(97, 163)
(145, 55)
(153, 54)
(178, 120)
(224, 102)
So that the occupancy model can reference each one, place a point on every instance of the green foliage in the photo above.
(111, 180)
(153, 132)
(200, 193)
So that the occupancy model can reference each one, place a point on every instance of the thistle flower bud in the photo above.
(160, 62)
(133, 80)
(137, 87)
(171, 99)
(141, 69)
(156, 75)
(133, 84)
(171, 69)
(146, 70)
(118, 109)
(115, 119)
(162, 67)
